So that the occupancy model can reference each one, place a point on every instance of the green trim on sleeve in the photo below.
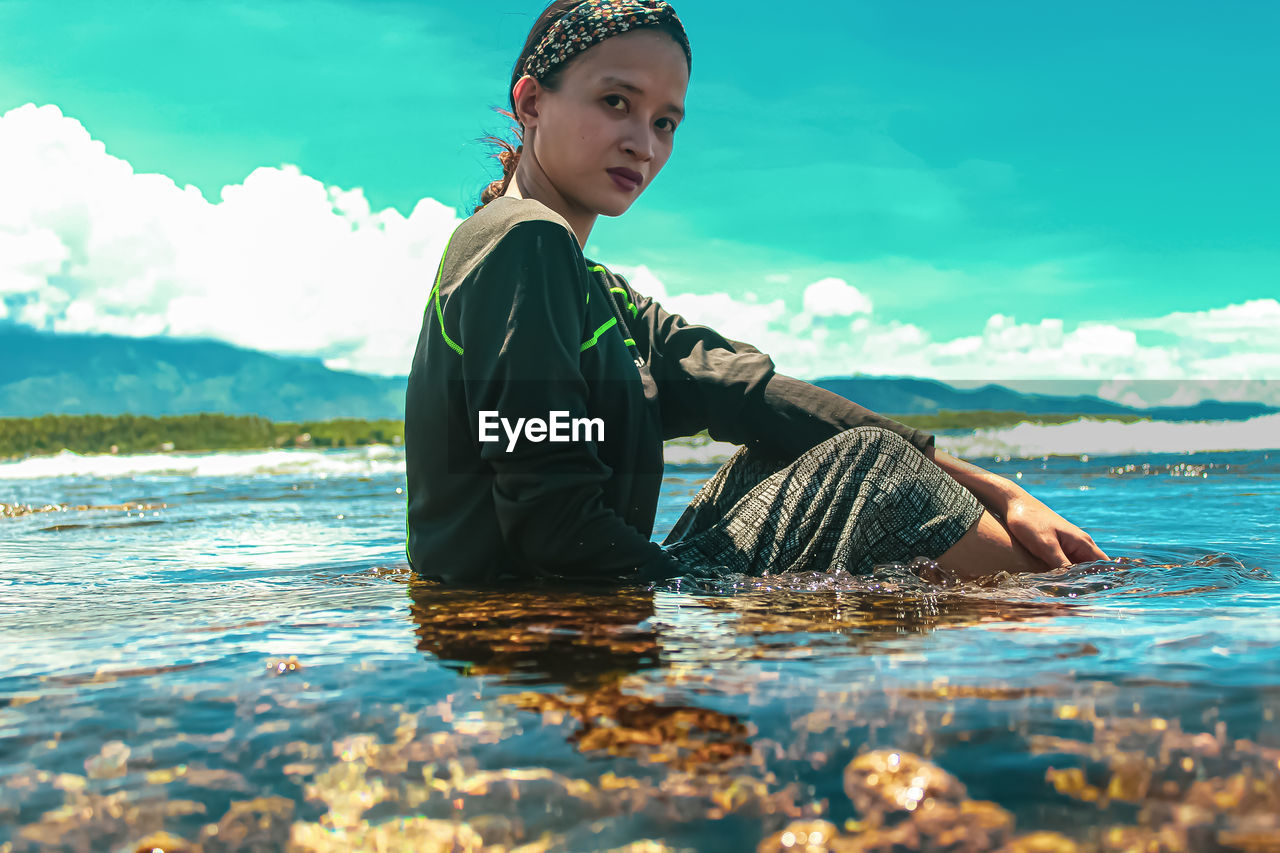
(435, 293)
(590, 342)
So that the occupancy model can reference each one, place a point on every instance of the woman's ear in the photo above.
(525, 97)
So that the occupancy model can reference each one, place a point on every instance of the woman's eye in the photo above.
(671, 125)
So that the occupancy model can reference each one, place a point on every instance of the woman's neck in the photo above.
(579, 219)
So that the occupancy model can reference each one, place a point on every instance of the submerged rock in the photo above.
(1041, 842)
(414, 833)
(163, 842)
(885, 785)
(907, 804)
(801, 836)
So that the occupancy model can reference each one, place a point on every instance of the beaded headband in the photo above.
(593, 21)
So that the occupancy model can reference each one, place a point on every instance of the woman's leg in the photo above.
(861, 498)
(986, 549)
(743, 471)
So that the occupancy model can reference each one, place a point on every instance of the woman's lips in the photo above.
(620, 177)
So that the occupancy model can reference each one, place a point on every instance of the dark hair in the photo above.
(508, 154)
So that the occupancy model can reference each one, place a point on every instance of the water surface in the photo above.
(231, 653)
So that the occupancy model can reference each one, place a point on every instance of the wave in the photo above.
(360, 462)
(1097, 436)
(696, 452)
(1108, 437)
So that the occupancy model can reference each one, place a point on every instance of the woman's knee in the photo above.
(885, 462)
(883, 440)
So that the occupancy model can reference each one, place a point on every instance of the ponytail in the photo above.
(509, 157)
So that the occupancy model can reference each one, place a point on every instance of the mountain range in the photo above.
(48, 373)
(43, 373)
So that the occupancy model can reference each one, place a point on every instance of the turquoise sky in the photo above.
(1129, 148)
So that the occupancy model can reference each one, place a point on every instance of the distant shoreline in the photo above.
(121, 434)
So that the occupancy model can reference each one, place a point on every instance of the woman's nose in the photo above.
(640, 144)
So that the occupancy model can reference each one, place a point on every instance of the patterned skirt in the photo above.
(859, 499)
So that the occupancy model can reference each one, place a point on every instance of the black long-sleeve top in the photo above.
(521, 324)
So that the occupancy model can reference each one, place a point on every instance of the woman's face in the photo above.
(617, 108)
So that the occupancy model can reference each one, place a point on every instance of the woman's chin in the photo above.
(616, 206)
(615, 201)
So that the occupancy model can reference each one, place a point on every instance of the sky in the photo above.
(970, 192)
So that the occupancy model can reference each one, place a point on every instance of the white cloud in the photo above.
(834, 297)
(280, 263)
(1249, 322)
(1234, 342)
(642, 279)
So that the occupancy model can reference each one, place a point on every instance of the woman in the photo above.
(543, 384)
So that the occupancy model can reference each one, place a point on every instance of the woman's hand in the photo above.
(1047, 535)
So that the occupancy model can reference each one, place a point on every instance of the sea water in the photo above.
(228, 650)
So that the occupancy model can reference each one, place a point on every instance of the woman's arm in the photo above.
(1039, 529)
(992, 491)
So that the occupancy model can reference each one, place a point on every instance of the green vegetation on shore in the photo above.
(144, 434)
